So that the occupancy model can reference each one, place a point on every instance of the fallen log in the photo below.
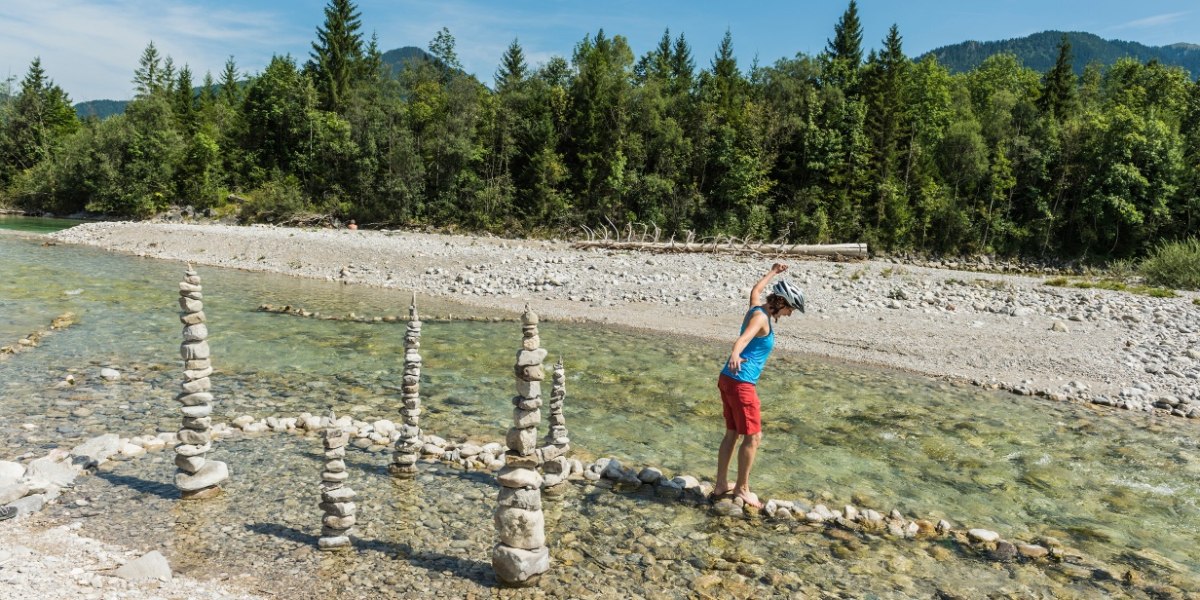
(851, 250)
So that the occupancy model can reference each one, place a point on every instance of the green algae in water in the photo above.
(1110, 484)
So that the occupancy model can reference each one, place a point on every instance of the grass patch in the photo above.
(1196, 301)
(1174, 264)
(1113, 285)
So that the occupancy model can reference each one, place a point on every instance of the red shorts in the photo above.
(741, 405)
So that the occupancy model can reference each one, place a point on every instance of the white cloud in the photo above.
(91, 48)
(1154, 21)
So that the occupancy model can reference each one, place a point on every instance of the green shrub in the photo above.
(1056, 282)
(276, 200)
(1174, 264)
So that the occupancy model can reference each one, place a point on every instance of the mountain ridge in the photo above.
(1039, 51)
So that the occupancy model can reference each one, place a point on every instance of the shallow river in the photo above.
(1119, 487)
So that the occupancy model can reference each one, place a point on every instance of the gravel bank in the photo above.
(1006, 331)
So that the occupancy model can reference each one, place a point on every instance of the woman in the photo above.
(737, 381)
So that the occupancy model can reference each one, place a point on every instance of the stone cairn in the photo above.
(408, 446)
(521, 556)
(337, 498)
(197, 478)
(554, 453)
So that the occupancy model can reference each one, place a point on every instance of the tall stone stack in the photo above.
(408, 446)
(337, 498)
(557, 444)
(521, 556)
(197, 477)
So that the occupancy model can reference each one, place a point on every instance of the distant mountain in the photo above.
(399, 58)
(100, 109)
(1040, 50)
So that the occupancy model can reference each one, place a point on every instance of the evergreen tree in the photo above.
(843, 54)
(337, 60)
(185, 100)
(147, 79)
(512, 70)
(1058, 88)
(231, 91)
(39, 118)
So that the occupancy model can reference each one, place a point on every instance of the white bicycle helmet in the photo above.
(791, 294)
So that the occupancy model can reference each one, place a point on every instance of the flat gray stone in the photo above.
(152, 566)
(47, 469)
(99, 448)
(212, 473)
(13, 492)
(29, 504)
(516, 565)
(10, 472)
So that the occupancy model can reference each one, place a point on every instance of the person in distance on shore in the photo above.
(738, 378)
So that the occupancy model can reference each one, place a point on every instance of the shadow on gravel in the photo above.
(162, 490)
(283, 532)
(472, 570)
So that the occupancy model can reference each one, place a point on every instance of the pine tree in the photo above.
(1058, 89)
(231, 91)
(337, 57)
(843, 54)
(147, 79)
(185, 100)
(513, 69)
(442, 48)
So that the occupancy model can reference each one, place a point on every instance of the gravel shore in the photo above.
(1005, 331)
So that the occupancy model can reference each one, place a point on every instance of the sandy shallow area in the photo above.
(1009, 331)
(989, 329)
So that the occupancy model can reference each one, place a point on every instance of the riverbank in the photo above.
(995, 330)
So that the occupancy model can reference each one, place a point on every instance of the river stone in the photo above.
(192, 449)
(190, 305)
(982, 535)
(337, 440)
(195, 399)
(29, 504)
(212, 473)
(189, 464)
(516, 566)
(197, 424)
(193, 437)
(336, 522)
(197, 373)
(13, 491)
(195, 318)
(519, 528)
(198, 385)
(149, 567)
(530, 373)
(10, 472)
(527, 403)
(340, 509)
(108, 374)
(523, 419)
(194, 350)
(188, 287)
(335, 466)
(1032, 551)
(195, 333)
(522, 441)
(527, 358)
(335, 477)
(510, 477)
(341, 494)
(47, 469)
(334, 542)
(1004, 552)
(522, 498)
(195, 412)
(531, 343)
(97, 449)
(529, 389)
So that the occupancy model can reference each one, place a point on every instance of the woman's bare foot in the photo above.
(719, 492)
(750, 498)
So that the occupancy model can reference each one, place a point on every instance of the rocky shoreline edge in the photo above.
(43, 480)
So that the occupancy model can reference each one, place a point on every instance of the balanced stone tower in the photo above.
(521, 556)
(557, 444)
(197, 477)
(337, 498)
(408, 446)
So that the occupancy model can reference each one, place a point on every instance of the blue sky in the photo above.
(91, 47)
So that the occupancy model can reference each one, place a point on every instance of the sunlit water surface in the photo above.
(1120, 487)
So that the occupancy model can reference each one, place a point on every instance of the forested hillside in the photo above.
(847, 145)
(1040, 50)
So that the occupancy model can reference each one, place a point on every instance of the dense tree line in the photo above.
(846, 145)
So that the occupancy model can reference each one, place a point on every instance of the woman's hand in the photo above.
(778, 268)
(735, 362)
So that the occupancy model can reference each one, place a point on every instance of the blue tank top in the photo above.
(755, 354)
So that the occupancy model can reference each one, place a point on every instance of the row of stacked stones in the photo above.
(554, 453)
(337, 498)
(197, 477)
(408, 446)
(521, 556)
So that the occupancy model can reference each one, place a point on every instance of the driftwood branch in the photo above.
(851, 250)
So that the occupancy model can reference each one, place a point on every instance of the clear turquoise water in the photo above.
(1120, 487)
(35, 224)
